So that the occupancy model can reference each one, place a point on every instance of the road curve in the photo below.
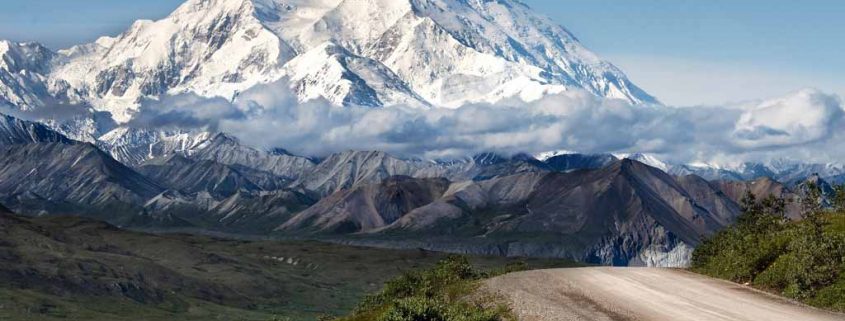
(646, 294)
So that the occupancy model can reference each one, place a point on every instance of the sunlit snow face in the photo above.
(803, 123)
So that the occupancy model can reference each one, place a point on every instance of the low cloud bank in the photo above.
(806, 125)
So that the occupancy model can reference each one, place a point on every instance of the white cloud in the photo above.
(800, 118)
(805, 123)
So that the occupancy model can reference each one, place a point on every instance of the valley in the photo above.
(70, 268)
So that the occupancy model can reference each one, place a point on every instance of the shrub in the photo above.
(743, 251)
(802, 260)
(416, 309)
(441, 293)
(426, 309)
(832, 296)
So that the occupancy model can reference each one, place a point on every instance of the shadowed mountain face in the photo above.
(59, 178)
(192, 177)
(625, 213)
(762, 188)
(570, 162)
(712, 198)
(5, 212)
(44, 172)
(348, 169)
(227, 150)
(16, 131)
(367, 207)
(355, 168)
(592, 208)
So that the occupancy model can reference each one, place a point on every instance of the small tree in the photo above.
(839, 198)
(761, 216)
(812, 210)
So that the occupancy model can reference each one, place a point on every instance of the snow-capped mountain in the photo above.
(14, 131)
(23, 74)
(787, 172)
(133, 146)
(421, 53)
(648, 159)
(781, 170)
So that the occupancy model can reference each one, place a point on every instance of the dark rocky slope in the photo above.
(59, 178)
(625, 213)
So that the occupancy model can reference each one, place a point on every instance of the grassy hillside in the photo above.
(75, 269)
(802, 260)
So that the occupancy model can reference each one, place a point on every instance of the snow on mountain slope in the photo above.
(227, 150)
(784, 171)
(551, 154)
(331, 72)
(133, 146)
(452, 52)
(15, 131)
(212, 48)
(23, 67)
(23, 56)
(648, 159)
(442, 53)
(455, 52)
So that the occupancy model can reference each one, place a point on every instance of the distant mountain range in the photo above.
(593, 208)
(789, 172)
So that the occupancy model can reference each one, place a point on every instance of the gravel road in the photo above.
(647, 294)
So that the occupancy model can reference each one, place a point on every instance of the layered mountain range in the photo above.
(789, 172)
(593, 208)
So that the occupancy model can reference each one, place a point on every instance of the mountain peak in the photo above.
(25, 56)
(14, 131)
(377, 53)
(223, 139)
(192, 7)
(649, 160)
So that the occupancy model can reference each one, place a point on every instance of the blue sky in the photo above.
(686, 52)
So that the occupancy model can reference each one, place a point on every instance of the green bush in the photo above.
(427, 309)
(749, 247)
(442, 293)
(832, 296)
(803, 260)
(781, 274)
(416, 309)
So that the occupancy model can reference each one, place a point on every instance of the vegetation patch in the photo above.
(447, 292)
(803, 260)
(65, 268)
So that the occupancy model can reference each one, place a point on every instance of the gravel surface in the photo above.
(641, 294)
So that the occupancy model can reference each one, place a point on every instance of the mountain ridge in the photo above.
(442, 53)
(592, 208)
